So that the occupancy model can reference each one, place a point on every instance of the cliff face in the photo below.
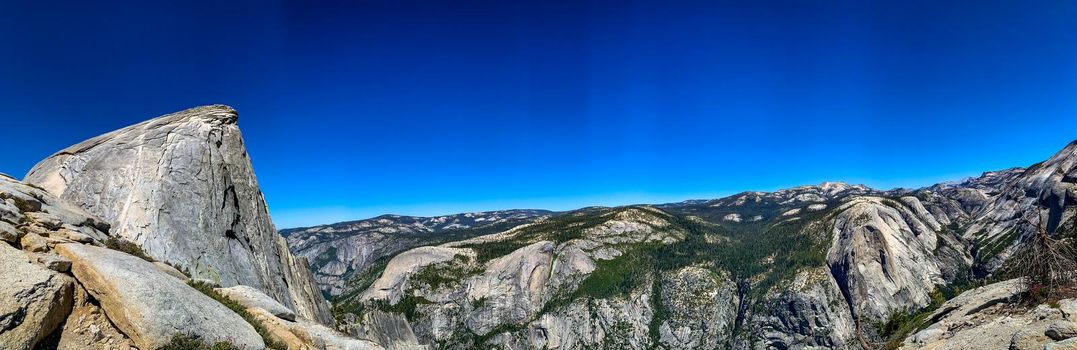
(343, 250)
(1043, 195)
(811, 267)
(182, 187)
(808, 267)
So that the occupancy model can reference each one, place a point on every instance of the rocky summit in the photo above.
(154, 236)
(182, 187)
(829, 266)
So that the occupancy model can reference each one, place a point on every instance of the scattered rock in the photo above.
(303, 334)
(77, 236)
(46, 220)
(87, 328)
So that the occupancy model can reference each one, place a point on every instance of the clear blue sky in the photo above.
(355, 108)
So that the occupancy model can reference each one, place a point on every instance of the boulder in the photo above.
(284, 327)
(33, 300)
(1068, 344)
(252, 298)
(151, 306)
(1061, 330)
(303, 334)
(9, 233)
(1028, 340)
(54, 262)
(32, 242)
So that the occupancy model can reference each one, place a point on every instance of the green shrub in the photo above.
(446, 273)
(241, 311)
(408, 306)
(128, 247)
(187, 342)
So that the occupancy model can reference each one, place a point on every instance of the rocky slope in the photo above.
(63, 288)
(181, 186)
(825, 266)
(340, 251)
(73, 280)
(992, 317)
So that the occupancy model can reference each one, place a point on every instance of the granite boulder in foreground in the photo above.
(151, 306)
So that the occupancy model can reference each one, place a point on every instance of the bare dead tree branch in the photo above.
(1047, 264)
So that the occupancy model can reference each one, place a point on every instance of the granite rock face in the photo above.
(1043, 195)
(182, 187)
(810, 313)
(834, 260)
(884, 255)
(702, 309)
(342, 250)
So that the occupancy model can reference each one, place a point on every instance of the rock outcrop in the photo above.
(33, 300)
(702, 309)
(283, 327)
(991, 317)
(1043, 195)
(885, 255)
(67, 282)
(809, 313)
(182, 187)
(36, 293)
(150, 306)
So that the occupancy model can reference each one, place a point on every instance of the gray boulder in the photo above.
(151, 306)
(253, 298)
(1061, 330)
(9, 233)
(33, 300)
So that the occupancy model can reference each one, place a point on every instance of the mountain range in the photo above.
(833, 265)
(157, 236)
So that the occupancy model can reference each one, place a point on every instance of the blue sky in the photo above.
(356, 108)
